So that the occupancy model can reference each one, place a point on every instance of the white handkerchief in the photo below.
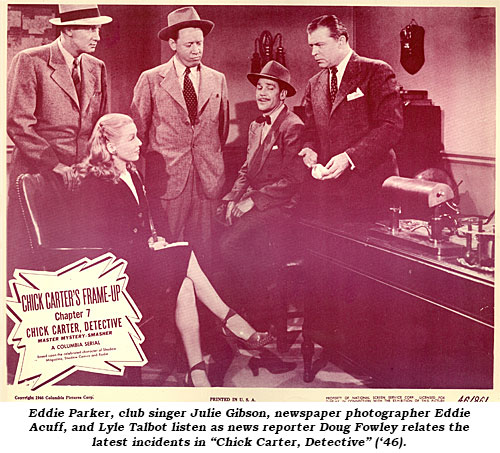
(274, 147)
(355, 95)
(318, 171)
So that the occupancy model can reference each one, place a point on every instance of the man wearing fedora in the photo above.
(55, 94)
(181, 112)
(259, 203)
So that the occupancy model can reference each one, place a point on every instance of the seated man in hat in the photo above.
(259, 203)
(55, 95)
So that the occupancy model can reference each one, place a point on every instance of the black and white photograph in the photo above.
(264, 196)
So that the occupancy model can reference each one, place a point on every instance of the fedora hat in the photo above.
(274, 71)
(80, 15)
(184, 18)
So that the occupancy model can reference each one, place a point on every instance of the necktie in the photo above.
(333, 84)
(190, 97)
(263, 119)
(75, 75)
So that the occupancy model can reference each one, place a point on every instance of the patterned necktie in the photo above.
(333, 84)
(75, 75)
(190, 97)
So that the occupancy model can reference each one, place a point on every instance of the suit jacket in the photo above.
(273, 170)
(45, 119)
(110, 217)
(366, 125)
(107, 215)
(160, 113)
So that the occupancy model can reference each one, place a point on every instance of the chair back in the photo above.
(47, 209)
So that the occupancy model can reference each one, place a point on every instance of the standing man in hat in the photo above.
(259, 203)
(353, 119)
(182, 115)
(55, 95)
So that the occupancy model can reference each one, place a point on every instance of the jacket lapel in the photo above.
(264, 149)
(88, 82)
(170, 84)
(253, 140)
(207, 87)
(61, 74)
(349, 81)
(321, 92)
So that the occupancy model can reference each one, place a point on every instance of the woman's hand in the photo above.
(160, 243)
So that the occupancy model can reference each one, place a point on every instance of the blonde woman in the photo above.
(114, 213)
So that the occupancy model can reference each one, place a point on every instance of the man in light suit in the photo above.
(55, 95)
(259, 203)
(181, 112)
(353, 118)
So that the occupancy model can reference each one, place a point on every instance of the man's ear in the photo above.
(173, 44)
(283, 94)
(68, 31)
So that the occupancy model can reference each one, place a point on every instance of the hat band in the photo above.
(79, 14)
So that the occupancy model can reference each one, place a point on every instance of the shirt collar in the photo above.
(180, 68)
(68, 58)
(342, 65)
(273, 115)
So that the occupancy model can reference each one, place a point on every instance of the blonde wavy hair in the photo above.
(100, 161)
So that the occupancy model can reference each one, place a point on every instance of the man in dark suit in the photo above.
(260, 200)
(182, 115)
(55, 95)
(353, 118)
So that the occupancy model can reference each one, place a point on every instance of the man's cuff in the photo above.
(350, 161)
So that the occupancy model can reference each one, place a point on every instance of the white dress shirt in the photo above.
(341, 69)
(126, 177)
(267, 127)
(68, 58)
(194, 74)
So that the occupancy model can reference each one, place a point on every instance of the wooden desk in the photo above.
(407, 319)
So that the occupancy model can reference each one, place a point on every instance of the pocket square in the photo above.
(355, 95)
(274, 147)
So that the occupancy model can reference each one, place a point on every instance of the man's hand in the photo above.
(242, 207)
(68, 175)
(336, 166)
(229, 211)
(309, 157)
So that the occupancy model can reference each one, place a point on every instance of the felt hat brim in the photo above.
(254, 78)
(206, 27)
(88, 21)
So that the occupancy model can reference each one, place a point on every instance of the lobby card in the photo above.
(79, 322)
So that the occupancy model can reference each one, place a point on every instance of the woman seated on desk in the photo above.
(115, 215)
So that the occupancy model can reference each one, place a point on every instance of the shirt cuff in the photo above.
(350, 161)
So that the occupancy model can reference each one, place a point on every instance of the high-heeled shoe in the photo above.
(199, 366)
(273, 366)
(256, 341)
